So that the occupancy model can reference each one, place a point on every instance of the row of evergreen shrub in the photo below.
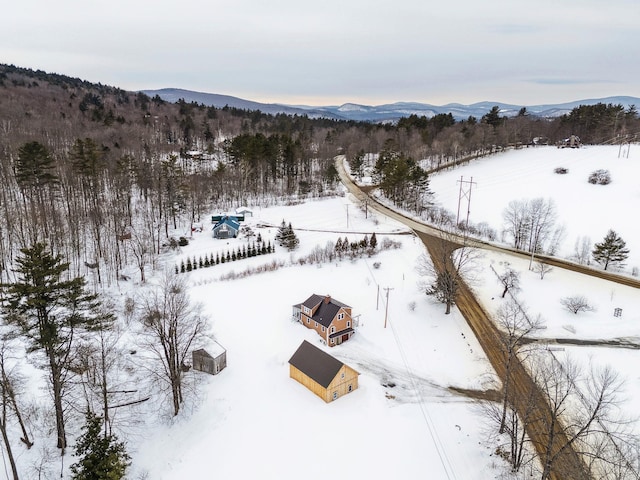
(229, 256)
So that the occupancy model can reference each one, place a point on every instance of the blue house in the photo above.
(227, 227)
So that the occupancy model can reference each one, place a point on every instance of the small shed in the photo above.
(244, 212)
(212, 363)
(321, 373)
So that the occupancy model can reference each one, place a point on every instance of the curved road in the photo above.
(568, 464)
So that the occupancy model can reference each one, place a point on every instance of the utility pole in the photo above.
(465, 193)
(386, 310)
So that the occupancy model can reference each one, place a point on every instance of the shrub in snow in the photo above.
(561, 170)
(600, 177)
(577, 303)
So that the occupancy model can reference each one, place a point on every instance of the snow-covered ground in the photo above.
(252, 420)
(584, 209)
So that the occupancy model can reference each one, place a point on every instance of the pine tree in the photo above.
(373, 242)
(281, 233)
(50, 309)
(100, 457)
(338, 247)
(289, 239)
(189, 265)
(611, 251)
(182, 268)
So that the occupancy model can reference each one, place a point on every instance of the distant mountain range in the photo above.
(382, 113)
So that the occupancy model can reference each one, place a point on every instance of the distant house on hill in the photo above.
(226, 227)
(212, 363)
(330, 318)
(321, 373)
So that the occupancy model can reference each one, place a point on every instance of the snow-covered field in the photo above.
(584, 209)
(252, 420)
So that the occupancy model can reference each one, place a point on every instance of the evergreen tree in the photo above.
(338, 247)
(189, 265)
(611, 251)
(49, 309)
(34, 166)
(281, 233)
(100, 457)
(182, 268)
(217, 258)
(373, 242)
(289, 239)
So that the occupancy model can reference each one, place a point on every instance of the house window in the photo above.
(316, 324)
(340, 316)
(323, 329)
(335, 395)
(308, 320)
(333, 340)
(342, 376)
(333, 329)
(350, 388)
(348, 324)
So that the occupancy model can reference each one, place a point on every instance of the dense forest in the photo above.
(103, 175)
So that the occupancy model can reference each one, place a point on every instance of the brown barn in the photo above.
(211, 363)
(331, 319)
(321, 373)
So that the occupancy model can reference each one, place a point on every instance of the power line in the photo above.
(464, 194)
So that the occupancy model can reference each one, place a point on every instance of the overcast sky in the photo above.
(336, 51)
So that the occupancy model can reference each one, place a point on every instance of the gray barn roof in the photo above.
(315, 363)
(328, 307)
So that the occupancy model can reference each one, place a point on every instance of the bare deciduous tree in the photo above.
(170, 325)
(515, 325)
(510, 280)
(577, 303)
(445, 268)
(542, 269)
(583, 416)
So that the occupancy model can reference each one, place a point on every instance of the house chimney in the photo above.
(327, 299)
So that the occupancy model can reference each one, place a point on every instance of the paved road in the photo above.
(568, 465)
